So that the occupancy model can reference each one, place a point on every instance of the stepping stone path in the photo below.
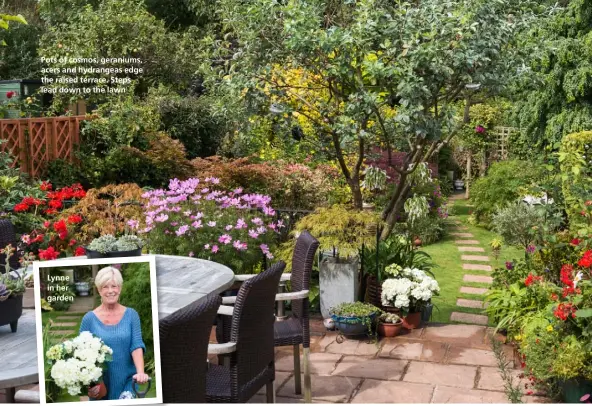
(65, 325)
(467, 243)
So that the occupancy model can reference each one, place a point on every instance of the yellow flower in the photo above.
(518, 337)
(549, 328)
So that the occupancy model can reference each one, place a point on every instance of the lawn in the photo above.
(449, 272)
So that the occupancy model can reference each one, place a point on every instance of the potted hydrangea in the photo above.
(410, 290)
(389, 325)
(107, 246)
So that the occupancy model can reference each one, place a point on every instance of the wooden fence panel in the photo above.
(33, 142)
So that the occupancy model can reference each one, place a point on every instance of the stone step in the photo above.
(473, 304)
(61, 332)
(469, 318)
(476, 267)
(75, 312)
(471, 249)
(482, 258)
(462, 234)
(67, 318)
(473, 291)
(477, 278)
(467, 242)
(63, 324)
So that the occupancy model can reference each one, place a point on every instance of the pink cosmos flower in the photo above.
(228, 227)
(241, 224)
(215, 249)
(253, 234)
(26, 238)
(197, 224)
(207, 247)
(212, 223)
(191, 254)
(187, 213)
(161, 218)
(257, 221)
(241, 246)
(133, 224)
(225, 239)
(261, 230)
(182, 230)
(238, 190)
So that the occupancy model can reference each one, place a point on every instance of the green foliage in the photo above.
(135, 293)
(357, 309)
(519, 224)
(505, 182)
(18, 59)
(575, 157)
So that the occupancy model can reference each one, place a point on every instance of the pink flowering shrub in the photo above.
(195, 218)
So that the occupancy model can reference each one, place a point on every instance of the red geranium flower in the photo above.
(55, 204)
(72, 242)
(60, 226)
(79, 251)
(21, 207)
(51, 211)
(48, 254)
(586, 260)
(39, 238)
(63, 235)
(575, 241)
(45, 186)
(10, 94)
(29, 201)
(46, 223)
(74, 219)
(554, 297)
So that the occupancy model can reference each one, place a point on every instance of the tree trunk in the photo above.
(468, 180)
(394, 214)
(354, 185)
(483, 168)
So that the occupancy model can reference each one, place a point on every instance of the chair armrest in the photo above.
(228, 300)
(225, 348)
(301, 294)
(226, 310)
(242, 278)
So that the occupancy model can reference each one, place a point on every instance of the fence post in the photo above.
(22, 147)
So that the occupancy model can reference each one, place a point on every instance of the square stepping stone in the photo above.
(64, 324)
(459, 376)
(418, 350)
(462, 234)
(478, 278)
(473, 291)
(481, 258)
(471, 356)
(374, 391)
(327, 388)
(320, 363)
(467, 242)
(67, 318)
(469, 318)
(473, 304)
(61, 332)
(477, 267)
(372, 368)
(445, 394)
(471, 249)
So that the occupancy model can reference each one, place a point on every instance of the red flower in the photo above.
(566, 275)
(51, 211)
(564, 310)
(39, 238)
(74, 219)
(21, 207)
(588, 203)
(79, 194)
(55, 204)
(529, 392)
(72, 242)
(575, 242)
(10, 94)
(60, 226)
(554, 297)
(46, 223)
(586, 260)
(79, 251)
(63, 235)
(29, 201)
(48, 254)
(529, 279)
(45, 186)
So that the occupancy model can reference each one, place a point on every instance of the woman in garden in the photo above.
(119, 328)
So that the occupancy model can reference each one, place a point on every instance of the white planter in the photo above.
(83, 288)
(459, 184)
(338, 280)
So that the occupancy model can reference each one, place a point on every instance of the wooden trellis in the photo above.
(33, 142)
(502, 140)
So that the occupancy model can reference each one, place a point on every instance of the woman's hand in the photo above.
(93, 391)
(141, 378)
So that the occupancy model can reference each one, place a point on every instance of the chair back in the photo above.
(8, 236)
(252, 330)
(184, 339)
(302, 261)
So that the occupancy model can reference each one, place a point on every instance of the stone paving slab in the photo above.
(374, 391)
(326, 388)
(473, 291)
(478, 278)
(469, 318)
(280, 379)
(320, 363)
(491, 379)
(372, 368)
(455, 334)
(61, 332)
(480, 258)
(467, 242)
(473, 304)
(446, 394)
(477, 267)
(459, 376)
(354, 347)
(67, 318)
(471, 356)
(409, 349)
(471, 249)
(462, 234)
(63, 324)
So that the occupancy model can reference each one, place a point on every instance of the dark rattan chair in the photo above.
(250, 351)
(184, 337)
(295, 330)
(8, 236)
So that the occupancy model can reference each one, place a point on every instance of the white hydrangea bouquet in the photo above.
(78, 362)
(408, 289)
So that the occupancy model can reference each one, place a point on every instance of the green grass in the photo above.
(449, 272)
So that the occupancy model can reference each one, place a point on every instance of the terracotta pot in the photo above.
(102, 390)
(390, 329)
(417, 242)
(412, 321)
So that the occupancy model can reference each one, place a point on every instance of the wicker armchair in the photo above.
(8, 236)
(184, 337)
(250, 351)
(295, 330)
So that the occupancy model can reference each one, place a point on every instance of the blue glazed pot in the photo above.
(351, 326)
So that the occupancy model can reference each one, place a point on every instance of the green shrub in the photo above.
(518, 224)
(575, 157)
(505, 182)
(135, 293)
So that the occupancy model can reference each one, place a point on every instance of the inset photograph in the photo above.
(97, 330)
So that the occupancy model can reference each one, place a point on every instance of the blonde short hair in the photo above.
(106, 274)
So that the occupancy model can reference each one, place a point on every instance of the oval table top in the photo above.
(179, 280)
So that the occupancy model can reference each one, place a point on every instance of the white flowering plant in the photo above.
(78, 363)
(408, 289)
